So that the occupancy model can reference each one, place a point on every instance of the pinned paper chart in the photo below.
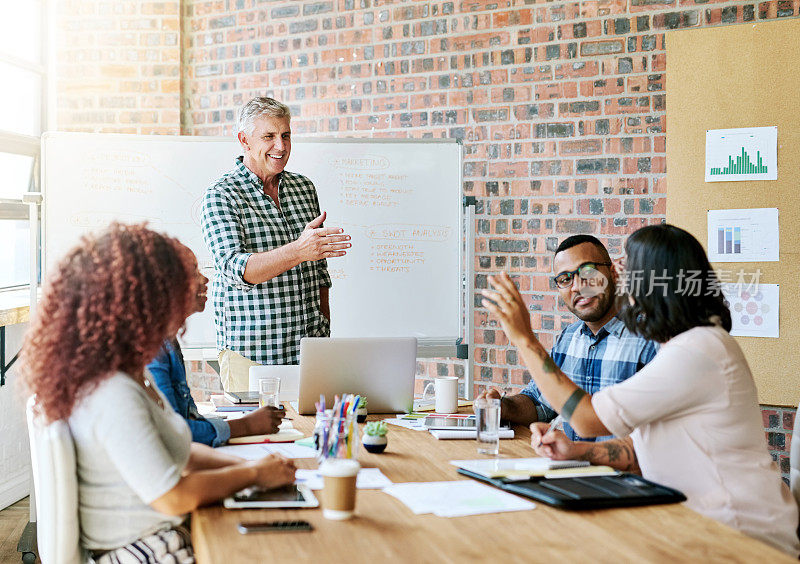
(754, 309)
(746, 235)
(742, 154)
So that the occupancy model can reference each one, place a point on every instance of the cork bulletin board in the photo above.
(732, 77)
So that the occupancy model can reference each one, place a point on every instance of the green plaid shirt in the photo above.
(263, 322)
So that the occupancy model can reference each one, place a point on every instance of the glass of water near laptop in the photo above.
(269, 392)
(487, 422)
(445, 392)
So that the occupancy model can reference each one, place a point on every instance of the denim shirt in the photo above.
(169, 374)
(594, 362)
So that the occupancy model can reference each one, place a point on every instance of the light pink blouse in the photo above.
(693, 415)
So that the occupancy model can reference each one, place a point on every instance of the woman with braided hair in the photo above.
(104, 313)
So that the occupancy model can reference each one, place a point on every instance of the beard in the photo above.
(604, 303)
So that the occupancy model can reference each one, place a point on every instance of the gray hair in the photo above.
(259, 106)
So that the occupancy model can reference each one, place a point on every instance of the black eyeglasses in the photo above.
(585, 271)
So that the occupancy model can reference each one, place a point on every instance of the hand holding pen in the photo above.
(548, 441)
(554, 424)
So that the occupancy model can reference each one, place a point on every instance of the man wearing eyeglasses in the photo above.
(595, 351)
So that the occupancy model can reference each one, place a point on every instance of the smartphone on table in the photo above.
(275, 527)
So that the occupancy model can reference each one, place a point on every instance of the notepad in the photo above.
(282, 436)
(514, 468)
(583, 472)
(429, 404)
(256, 451)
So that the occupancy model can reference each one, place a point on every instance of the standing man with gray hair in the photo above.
(264, 228)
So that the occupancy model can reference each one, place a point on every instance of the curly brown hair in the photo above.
(107, 307)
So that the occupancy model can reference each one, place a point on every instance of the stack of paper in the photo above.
(224, 405)
(456, 499)
(367, 479)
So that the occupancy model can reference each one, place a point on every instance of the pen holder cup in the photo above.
(336, 436)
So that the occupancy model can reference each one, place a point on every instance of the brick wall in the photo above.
(118, 66)
(561, 108)
(560, 105)
(778, 424)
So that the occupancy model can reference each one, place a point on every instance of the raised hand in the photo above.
(505, 302)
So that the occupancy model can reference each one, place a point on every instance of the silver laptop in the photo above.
(382, 369)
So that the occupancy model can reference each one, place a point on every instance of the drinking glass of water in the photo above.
(268, 392)
(487, 419)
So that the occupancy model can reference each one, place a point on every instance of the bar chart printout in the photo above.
(741, 154)
(745, 235)
(729, 240)
(742, 165)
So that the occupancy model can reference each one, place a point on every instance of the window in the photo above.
(23, 104)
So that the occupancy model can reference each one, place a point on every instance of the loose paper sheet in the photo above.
(414, 425)
(456, 499)
(754, 309)
(742, 154)
(367, 479)
(746, 235)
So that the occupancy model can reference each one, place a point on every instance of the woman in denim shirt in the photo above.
(169, 373)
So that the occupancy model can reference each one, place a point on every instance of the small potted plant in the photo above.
(361, 410)
(375, 436)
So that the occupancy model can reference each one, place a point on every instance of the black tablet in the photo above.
(294, 495)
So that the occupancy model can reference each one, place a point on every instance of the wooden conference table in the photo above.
(385, 530)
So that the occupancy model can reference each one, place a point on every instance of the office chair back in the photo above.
(55, 481)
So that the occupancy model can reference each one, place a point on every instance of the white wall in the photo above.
(15, 459)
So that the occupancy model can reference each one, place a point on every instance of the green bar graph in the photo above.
(741, 165)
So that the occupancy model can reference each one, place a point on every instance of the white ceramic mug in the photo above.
(446, 393)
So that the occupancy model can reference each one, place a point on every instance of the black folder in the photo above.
(587, 492)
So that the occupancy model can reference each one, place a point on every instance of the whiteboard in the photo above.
(400, 200)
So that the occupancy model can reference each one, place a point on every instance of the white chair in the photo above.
(55, 482)
(288, 373)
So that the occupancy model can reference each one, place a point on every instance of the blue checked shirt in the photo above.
(594, 362)
(262, 322)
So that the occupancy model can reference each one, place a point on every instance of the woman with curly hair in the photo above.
(110, 303)
(690, 418)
